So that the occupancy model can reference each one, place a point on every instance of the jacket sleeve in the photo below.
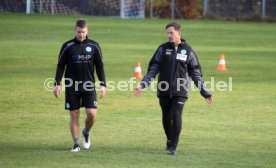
(153, 68)
(194, 70)
(100, 66)
(61, 65)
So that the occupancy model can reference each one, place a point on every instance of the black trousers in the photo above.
(172, 118)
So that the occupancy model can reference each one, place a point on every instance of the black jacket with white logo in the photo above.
(175, 69)
(80, 59)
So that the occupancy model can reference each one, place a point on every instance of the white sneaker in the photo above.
(85, 140)
(75, 148)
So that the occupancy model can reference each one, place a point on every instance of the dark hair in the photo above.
(81, 23)
(175, 25)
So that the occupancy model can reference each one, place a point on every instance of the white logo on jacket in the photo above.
(169, 51)
(182, 55)
(88, 49)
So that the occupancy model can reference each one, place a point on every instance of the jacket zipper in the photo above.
(81, 49)
(172, 74)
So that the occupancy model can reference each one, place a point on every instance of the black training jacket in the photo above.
(78, 60)
(175, 69)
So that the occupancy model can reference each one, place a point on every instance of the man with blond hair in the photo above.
(78, 58)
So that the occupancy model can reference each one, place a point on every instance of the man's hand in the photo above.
(209, 100)
(102, 91)
(57, 91)
(138, 91)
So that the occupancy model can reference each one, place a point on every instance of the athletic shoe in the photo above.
(75, 148)
(85, 140)
(171, 151)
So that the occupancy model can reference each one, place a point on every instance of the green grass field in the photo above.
(237, 130)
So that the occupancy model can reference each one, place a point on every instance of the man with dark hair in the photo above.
(78, 58)
(176, 62)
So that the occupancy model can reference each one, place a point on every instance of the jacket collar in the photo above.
(78, 42)
(183, 41)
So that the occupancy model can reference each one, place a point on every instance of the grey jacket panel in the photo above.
(194, 70)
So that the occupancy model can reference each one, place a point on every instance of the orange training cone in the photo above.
(138, 71)
(221, 65)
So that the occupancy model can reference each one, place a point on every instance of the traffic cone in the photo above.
(221, 64)
(138, 71)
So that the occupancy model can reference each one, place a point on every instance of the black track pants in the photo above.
(172, 117)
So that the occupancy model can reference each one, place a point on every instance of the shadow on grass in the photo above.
(29, 147)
